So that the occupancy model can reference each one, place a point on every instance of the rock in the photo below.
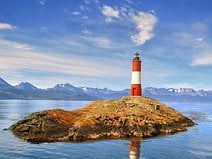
(127, 117)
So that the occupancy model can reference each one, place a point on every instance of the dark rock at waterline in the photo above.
(127, 117)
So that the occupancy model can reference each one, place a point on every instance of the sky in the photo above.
(92, 42)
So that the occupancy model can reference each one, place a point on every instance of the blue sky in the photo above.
(92, 42)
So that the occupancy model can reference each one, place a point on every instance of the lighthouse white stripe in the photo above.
(136, 77)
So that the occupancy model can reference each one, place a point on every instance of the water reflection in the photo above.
(134, 149)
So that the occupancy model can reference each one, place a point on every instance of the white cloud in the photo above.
(198, 40)
(124, 11)
(103, 42)
(66, 11)
(145, 23)
(202, 59)
(110, 13)
(22, 47)
(85, 31)
(187, 38)
(14, 60)
(83, 8)
(85, 17)
(6, 26)
(42, 2)
(129, 1)
(86, 1)
(100, 42)
(75, 13)
(152, 12)
(13, 45)
(96, 1)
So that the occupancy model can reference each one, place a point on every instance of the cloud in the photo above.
(42, 2)
(101, 42)
(22, 47)
(85, 66)
(85, 31)
(75, 13)
(129, 1)
(13, 45)
(145, 23)
(124, 11)
(86, 1)
(189, 38)
(83, 8)
(15, 60)
(6, 26)
(110, 13)
(198, 40)
(85, 17)
(66, 11)
(96, 1)
(202, 59)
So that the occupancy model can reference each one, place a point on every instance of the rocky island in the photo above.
(127, 117)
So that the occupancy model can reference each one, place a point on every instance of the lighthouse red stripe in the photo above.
(136, 65)
(135, 90)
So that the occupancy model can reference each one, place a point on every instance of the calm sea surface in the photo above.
(196, 143)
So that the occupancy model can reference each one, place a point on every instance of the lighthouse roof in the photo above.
(136, 56)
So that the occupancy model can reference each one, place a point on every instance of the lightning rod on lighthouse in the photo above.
(136, 89)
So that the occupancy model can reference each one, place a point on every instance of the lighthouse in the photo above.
(134, 149)
(136, 89)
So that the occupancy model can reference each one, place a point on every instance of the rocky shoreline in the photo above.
(127, 117)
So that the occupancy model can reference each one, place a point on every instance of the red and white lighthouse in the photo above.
(136, 89)
(134, 148)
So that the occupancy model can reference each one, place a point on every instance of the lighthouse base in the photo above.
(135, 90)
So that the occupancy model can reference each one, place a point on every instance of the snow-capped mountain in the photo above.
(182, 94)
(101, 93)
(26, 86)
(4, 84)
(67, 91)
(148, 91)
(105, 93)
(67, 87)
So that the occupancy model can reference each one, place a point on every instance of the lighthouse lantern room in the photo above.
(136, 89)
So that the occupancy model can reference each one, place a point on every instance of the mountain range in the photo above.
(26, 90)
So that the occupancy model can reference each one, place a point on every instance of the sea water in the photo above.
(196, 143)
